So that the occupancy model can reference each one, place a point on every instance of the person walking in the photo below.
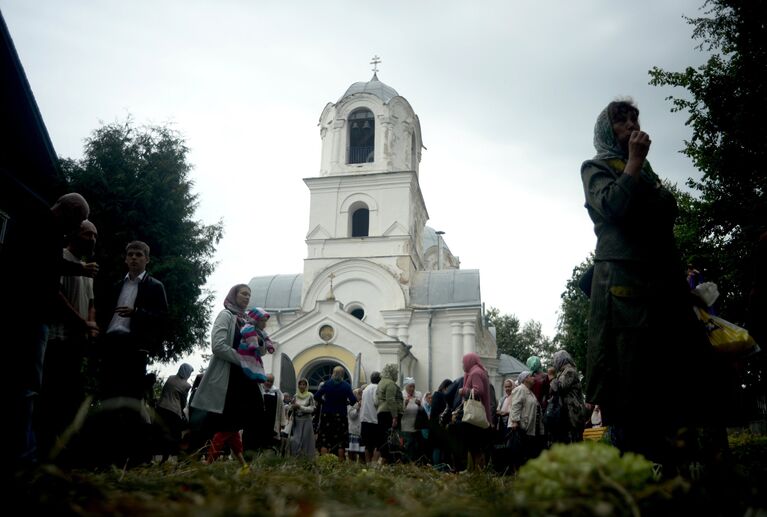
(226, 392)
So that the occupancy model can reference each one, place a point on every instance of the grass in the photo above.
(580, 479)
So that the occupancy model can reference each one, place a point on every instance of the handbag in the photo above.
(394, 444)
(474, 412)
(726, 337)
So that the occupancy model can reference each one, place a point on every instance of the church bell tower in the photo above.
(366, 203)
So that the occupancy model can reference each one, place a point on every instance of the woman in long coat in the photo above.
(226, 393)
(641, 308)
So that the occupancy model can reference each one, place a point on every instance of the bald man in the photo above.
(31, 265)
(63, 387)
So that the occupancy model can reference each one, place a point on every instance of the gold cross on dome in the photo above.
(375, 62)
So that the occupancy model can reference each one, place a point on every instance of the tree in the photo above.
(136, 181)
(573, 321)
(518, 342)
(725, 102)
(726, 112)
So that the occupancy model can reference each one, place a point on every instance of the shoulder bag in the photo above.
(474, 412)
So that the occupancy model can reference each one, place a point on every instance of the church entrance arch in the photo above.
(320, 371)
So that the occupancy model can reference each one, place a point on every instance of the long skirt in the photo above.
(302, 437)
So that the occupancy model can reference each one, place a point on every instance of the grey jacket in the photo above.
(211, 395)
(525, 409)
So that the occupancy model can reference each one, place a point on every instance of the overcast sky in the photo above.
(507, 93)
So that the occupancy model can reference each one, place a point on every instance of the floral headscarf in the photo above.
(609, 150)
(605, 143)
(561, 359)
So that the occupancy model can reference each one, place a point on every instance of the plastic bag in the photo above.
(708, 292)
(727, 337)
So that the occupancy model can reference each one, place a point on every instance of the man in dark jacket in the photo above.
(136, 313)
(134, 316)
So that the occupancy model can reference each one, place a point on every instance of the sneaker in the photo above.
(245, 470)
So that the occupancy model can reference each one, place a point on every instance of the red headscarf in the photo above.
(475, 378)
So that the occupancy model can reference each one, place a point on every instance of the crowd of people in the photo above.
(385, 420)
(640, 314)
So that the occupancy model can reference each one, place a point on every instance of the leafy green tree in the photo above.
(725, 102)
(519, 341)
(532, 339)
(573, 321)
(137, 183)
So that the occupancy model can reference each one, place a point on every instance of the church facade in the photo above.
(379, 286)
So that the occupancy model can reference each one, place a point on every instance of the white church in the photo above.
(378, 285)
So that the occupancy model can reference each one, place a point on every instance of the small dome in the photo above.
(374, 86)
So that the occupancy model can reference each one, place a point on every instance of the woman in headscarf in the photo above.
(301, 429)
(566, 388)
(170, 409)
(476, 384)
(335, 395)
(641, 308)
(390, 405)
(226, 392)
(412, 404)
(526, 420)
(541, 380)
(503, 409)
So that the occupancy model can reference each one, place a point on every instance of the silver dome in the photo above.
(374, 86)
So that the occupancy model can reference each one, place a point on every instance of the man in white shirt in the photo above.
(134, 318)
(370, 434)
(138, 308)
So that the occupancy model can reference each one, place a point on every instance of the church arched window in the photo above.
(361, 222)
(362, 132)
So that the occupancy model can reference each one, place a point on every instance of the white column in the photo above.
(402, 332)
(457, 343)
(469, 338)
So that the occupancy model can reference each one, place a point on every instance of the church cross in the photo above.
(375, 62)
(331, 296)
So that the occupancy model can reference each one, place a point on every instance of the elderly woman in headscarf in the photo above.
(476, 384)
(541, 379)
(641, 308)
(389, 403)
(170, 409)
(566, 392)
(231, 398)
(335, 395)
(526, 420)
(413, 401)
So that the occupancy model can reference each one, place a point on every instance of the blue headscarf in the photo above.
(185, 370)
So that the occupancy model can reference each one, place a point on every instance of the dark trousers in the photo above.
(123, 367)
(121, 432)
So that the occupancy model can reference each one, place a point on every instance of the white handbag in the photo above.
(474, 412)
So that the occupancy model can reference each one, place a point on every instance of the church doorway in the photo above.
(321, 371)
